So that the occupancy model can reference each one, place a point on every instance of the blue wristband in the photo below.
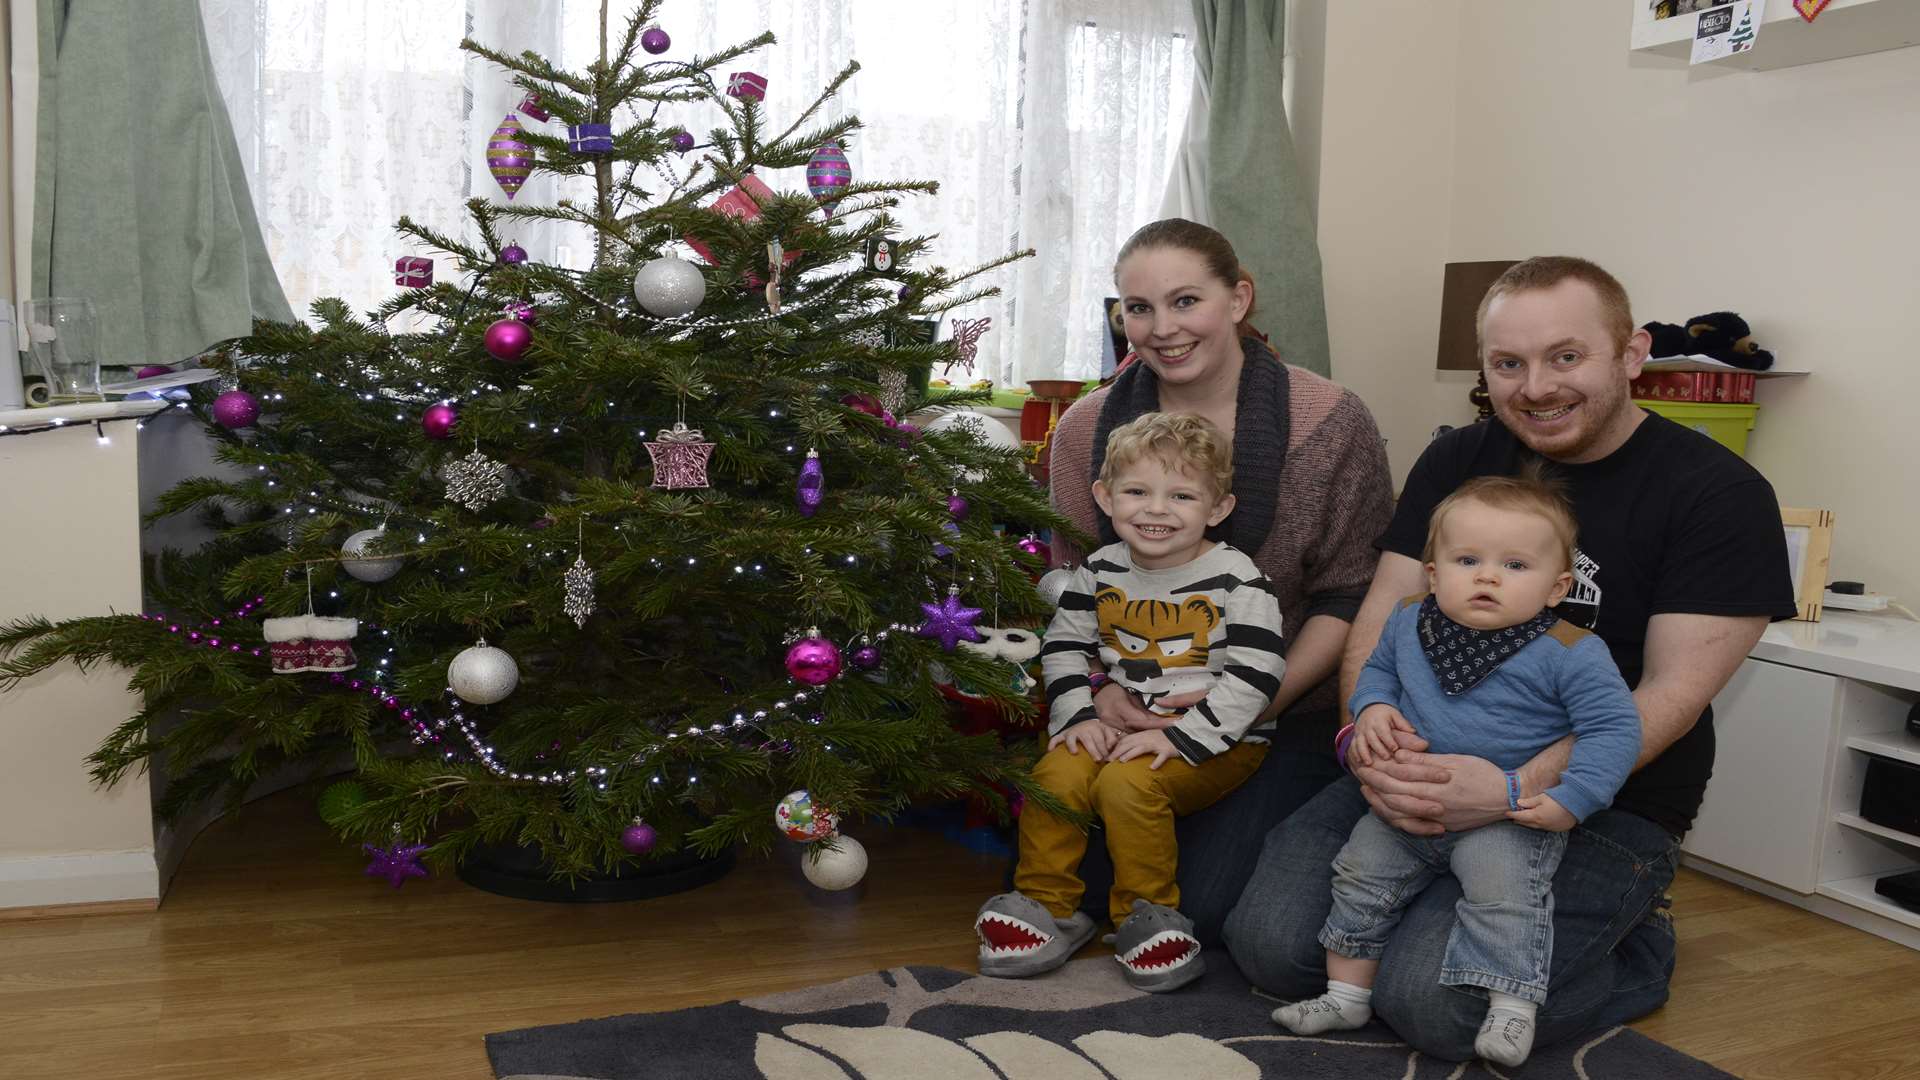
(1513, 789)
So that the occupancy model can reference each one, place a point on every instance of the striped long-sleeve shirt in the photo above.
(1212, 624)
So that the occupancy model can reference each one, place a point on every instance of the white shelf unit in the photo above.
(1796, 728)
(1845, 28)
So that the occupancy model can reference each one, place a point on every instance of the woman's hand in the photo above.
(1142, 743)
(1122, 712)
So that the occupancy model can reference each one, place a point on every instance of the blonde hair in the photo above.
(1183, 441)
(1532, 492)
(1546, 271)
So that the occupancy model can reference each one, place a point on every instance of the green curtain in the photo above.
(140, 199)
(1253, 184)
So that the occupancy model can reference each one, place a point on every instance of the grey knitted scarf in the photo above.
(1261, 416)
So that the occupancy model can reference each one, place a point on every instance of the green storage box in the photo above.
(1725, 424)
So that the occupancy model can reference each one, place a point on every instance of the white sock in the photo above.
(1342, 1008)
(1506, 1035)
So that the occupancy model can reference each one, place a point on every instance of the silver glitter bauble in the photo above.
(1053, 583)
(669, 287)
(482, 674)
(838, 867)
(374, 570)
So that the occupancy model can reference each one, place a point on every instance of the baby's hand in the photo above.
(1542, 812)
(1141, 743)
(1373, 730)
(1092, 736)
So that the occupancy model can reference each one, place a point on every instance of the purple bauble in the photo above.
(638, 838)
(813, 660)
(866, 657)
(236, 409)
(513, 254)
(810, 489)
(520, 310)
(957, 507)
(655, 40)
(151, 370)
(438, 421)
(508, 339)
(681, 141)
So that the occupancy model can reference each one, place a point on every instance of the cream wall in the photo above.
(1454, 131)
(71, 547)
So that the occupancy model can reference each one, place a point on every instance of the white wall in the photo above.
(1455, 131)
(71, 547)
(1386, 151)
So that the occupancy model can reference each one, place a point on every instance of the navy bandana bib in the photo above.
(1462, 656)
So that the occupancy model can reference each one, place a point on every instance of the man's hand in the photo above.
(1122, 712)
(1092, 736)
(1543, 812)
(1142, 743)
(1428, 794)
(1376, 734)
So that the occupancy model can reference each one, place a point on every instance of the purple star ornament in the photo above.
(950, 622)
(397, 863)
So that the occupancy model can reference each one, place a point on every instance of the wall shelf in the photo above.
(1845, 28)
(1858, 891)
(1897, 745)
(1855, 821)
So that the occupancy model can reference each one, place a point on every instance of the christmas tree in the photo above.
(603, 561)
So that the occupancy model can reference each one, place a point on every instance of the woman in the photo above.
(1310, 474)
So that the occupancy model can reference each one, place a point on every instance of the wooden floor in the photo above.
(273, 956)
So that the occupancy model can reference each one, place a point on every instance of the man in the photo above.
(1682, 563)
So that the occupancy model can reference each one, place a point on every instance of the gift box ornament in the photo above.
(743, 202)
(413, 271)
(747, 86)
(883, 254)
(590, 138)
(531, 106)
(508, 159)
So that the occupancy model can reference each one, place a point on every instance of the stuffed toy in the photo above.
(1720, 335)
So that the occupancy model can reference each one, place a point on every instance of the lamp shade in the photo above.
(1466, 283)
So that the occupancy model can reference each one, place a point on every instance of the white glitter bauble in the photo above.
(482, 674)
(1054, 583)
(838, 867)
(986, 428)
(374, 570)
(669, 287)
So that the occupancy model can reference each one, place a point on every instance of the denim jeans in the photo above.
(1502, 936)
(1612, 940)
(1220, 845)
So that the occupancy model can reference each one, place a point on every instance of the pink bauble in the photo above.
(813, 660)
(638, 838)
(865, 403)
(236, 409)
(438, 421)
(521, 310)
(151, 370)
(508, 339)
(1037, 548)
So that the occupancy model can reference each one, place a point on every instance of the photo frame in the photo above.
(1809, 546)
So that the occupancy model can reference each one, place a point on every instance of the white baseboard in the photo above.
(45, 880)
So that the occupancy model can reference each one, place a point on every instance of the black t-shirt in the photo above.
(1670, 522)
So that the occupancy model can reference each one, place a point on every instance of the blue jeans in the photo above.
(1220, 845)
(1502, 936)
(1612, 940)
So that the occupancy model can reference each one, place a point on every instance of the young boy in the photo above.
(1480, 666)
(1166, 613)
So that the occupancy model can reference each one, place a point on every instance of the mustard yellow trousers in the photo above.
(1137, 804)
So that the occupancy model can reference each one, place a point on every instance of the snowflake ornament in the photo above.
(475, 481)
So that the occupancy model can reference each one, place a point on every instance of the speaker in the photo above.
(1891, 795)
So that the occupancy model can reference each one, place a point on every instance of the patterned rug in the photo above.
(1081, 1023)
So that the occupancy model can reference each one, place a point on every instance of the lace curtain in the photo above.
(1049, 123)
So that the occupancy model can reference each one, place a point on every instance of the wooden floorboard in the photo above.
(274, 956)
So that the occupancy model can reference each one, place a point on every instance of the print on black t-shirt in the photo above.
(1582, 605)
